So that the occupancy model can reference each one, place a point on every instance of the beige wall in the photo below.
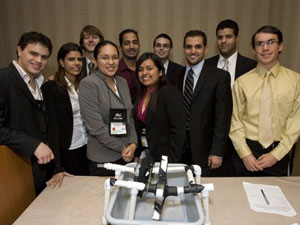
(62, 21)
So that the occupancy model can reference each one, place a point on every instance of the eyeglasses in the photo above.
(106, 58)
(158, 45)
(269, 43)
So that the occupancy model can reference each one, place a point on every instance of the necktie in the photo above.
(188, 94)
(225, 65)
(265, 113)
(91, 67)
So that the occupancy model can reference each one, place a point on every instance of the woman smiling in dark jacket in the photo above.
(159, 112)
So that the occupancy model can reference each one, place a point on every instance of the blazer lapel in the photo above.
(204, 76)
(239, 64)
(21, 84)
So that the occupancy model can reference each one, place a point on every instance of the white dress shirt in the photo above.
(231, 65)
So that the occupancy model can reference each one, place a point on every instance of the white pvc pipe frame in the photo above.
(138, 186)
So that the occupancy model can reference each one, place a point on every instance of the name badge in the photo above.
(118, 122)
(143, 138)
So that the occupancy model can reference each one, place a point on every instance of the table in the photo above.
(80, 201)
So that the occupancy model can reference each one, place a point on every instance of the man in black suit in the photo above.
(22, 112)
(90, 36)
(227, 33)
(229, 59)
(208, 104)
(162, 47)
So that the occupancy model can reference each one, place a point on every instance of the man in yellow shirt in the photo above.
(266, 111)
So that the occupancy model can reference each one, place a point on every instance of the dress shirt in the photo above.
(197, 70)
(166, 65)
(130, 77)
(285, 86)
(79, 136)
(37, 94)
(231, 65)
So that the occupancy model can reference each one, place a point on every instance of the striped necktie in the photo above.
(226, 65)
(91, 67)
(188, 95)
(265, 137)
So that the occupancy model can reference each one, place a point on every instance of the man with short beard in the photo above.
(227, 33)
(130, 47)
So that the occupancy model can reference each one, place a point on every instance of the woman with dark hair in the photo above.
(106, 110)
(159, 111)
(67, 132)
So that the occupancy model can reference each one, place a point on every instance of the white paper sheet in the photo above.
(268, 199)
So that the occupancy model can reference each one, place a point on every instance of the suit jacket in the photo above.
(22, 120)
(84, 70)
(96, 98)
(173, 69)
(165, 124)
(243, 64)
(210, 113)
(60, 114)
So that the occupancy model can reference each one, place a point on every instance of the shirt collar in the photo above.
(39, 80)
(123, 66)
(196, 68)
(262, 71)
(231, 59)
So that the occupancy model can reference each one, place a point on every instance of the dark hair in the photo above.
(90, 30)
(34, 37)
(121, 34)
(161, 82)
(228, 24)
(102, 44)
(195, 33)
(59, 76)
(163, 35)
(270, 30)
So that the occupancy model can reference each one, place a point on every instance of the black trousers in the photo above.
(187, 158)
(75, 161)
(279, 169)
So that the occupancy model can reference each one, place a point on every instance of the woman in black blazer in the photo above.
(159, 111)
(67, 132)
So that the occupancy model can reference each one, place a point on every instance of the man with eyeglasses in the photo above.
(266, 110)
(162, 47)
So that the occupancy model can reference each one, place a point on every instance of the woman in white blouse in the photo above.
(67, 133)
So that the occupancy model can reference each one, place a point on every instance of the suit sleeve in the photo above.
(91, 114)
(50, 94)
(175, 114)
(222, 114)
(18, 141)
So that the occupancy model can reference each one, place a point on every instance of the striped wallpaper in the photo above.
(62, 21)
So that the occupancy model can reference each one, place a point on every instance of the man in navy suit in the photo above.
(23, 123)
(227, 33)
(162, 47)
(208, 103)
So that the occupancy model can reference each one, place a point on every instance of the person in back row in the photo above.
(130, 48)
(162, 47)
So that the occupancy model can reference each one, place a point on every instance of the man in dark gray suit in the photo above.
(162, 47)
(229, 59)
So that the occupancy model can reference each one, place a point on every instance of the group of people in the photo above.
(98, 108)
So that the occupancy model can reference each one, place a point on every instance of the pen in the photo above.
(263, 193)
